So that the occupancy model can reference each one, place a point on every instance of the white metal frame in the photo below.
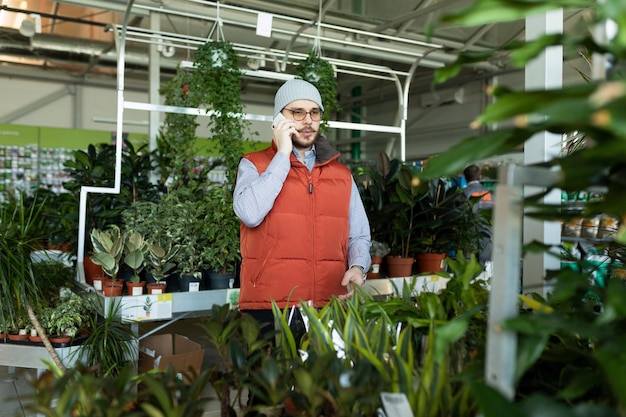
(125, 33)
(506, 280)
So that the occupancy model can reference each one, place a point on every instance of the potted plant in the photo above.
(20, 290)
(216, 83)
(390, 192)
(176, 141)
(444, 222)
(94, 167)
(17, 327)
(159, 265)
(378, 250)
(108, 249)
(221, 253)
(110, 346)
(135, 248)
(321, 74)
(186, 229)
(151, 219)
(67, 316)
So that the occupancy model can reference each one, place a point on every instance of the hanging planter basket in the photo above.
(216, 82)
(321, 74)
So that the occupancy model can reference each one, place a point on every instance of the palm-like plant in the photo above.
(20, 290)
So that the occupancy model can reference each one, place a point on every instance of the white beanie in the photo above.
(296, 89)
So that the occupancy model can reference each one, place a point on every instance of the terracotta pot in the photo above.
(63, 247)
(110, 289)
(135, 288)
(374, 271)
(59, 340)
(291, 409)
(14, 337)
(155, 288)
(430, 262)
(108, 282)
(91, 270)
(399, 267)
(34, 339)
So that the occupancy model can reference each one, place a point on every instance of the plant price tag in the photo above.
(396, 404)
(147, 307)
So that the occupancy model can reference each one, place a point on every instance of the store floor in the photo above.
(15, 386)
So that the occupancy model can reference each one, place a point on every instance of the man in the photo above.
(481, 198)
(474, 189)
(305, 235)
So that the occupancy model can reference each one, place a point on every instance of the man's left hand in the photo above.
(352, 276)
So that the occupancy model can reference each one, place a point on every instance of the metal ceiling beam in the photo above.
(111, 5)
(285, 26)
(422, 11)
(53, 16)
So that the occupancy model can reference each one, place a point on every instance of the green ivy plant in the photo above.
(216, 83)
(177, 137)
(321, 74)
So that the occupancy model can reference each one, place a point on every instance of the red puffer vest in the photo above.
(300, 250)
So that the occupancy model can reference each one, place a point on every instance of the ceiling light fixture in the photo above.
(256, 62)
(166, 49)
(30, 25)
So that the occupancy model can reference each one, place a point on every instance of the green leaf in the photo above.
(104, 259)
(250, 329)
(270, 371)
(134, 259)
(484, 12)
(529, 350)
(447, 334)
(236, 355)
(523, 54)
(492, 403)
(465, 58)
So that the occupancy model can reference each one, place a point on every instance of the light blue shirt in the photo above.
(255, 195)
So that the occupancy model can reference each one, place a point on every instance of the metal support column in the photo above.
(543, 73)
(506, 283)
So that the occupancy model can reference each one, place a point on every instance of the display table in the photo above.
(24, 355)
(179, 305)
(394, 286)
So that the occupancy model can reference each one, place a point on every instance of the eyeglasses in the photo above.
(299, 114)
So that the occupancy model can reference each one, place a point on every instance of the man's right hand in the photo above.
(282, 135)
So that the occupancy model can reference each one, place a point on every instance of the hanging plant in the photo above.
(177, 137)
(321, 74)
(216, 84)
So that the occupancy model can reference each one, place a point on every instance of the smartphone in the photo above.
(277, 119)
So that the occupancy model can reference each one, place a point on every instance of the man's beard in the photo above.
(305, 143)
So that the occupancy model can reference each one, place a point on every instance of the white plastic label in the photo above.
(396, 404)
